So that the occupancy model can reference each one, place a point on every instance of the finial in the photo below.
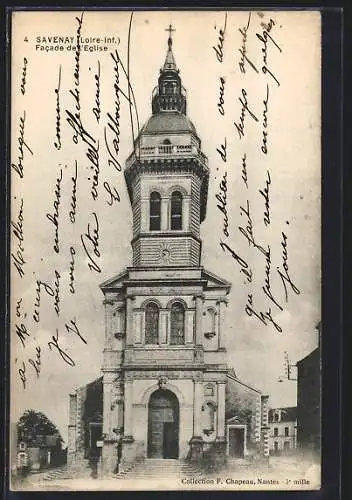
(170, 29)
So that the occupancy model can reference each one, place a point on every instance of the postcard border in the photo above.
(332, 176)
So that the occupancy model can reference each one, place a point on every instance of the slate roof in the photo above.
(168, 121)
(288, 414)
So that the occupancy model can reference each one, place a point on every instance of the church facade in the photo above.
(164, 391)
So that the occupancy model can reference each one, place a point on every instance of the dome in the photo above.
(168, 121)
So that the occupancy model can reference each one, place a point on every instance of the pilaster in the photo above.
(164, 214)
(199, 311)
(128, 413)
(221, 304)
(129, 320)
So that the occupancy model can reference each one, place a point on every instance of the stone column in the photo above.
(186, 223)
(221, 332)
(128, 416)
(138, 326)
(219, 456)
(108, 303)
(128, 448)
(163, 327)
(198, 400)
(164, 223)
(144, 215)
(108, 456)
(199, 311)
(107, 400)
(129, 320)
(189, 334)
(196, 442)
(221, 411)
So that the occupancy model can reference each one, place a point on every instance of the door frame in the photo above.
(236, 426)
(175, 404)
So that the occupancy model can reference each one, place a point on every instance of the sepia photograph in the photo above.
(165, 254)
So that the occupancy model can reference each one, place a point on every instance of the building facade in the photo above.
(309, 400)
(41, 452)
(164, 371)
(282, 430)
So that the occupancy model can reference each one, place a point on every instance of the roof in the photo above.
(170, 63)
(288, 414)
(213, 281)
(315, 354)
(116, 280)
(233, 376)
(168, 121)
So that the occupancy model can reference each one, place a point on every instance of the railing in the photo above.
(166, 151)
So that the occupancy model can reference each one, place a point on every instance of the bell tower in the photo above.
(167, 177)
(164, 361)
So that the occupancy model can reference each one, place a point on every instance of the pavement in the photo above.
(282, 473)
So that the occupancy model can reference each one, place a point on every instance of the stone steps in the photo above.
(58, 473)
(159, 468)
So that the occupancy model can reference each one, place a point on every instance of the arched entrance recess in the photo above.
(163, 425)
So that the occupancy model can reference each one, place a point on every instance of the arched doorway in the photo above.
(163, 425)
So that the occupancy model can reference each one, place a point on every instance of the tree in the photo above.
(34, 423)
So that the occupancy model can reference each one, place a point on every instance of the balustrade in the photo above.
(166, 150)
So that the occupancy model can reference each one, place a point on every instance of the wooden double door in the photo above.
(163, 425)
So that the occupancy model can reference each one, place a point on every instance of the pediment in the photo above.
(214, 281)
(234, 420)
(115, 282)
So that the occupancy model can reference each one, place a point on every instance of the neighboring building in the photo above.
(86, 423)
(39, 452)
(283, 430)
(246, 411)
(13, 447)
(308, 400)
(165, 375)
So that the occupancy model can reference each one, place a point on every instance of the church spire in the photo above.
(170, 63)
(169, 95)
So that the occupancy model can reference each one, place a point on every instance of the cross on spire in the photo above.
(170, 29)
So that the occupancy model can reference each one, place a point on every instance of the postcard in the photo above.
(165, 250)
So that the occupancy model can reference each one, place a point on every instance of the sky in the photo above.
(256, 351)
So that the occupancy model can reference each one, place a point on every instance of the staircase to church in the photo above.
(154, 468)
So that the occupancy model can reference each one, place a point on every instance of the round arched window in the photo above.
(154, 211)
(151, 323)
(177, 333)
(176, 210)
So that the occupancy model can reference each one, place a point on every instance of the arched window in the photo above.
(166, 147)
(154, 211)
(169, 88)
(176, 210)
(151, 323)
(177, 333)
